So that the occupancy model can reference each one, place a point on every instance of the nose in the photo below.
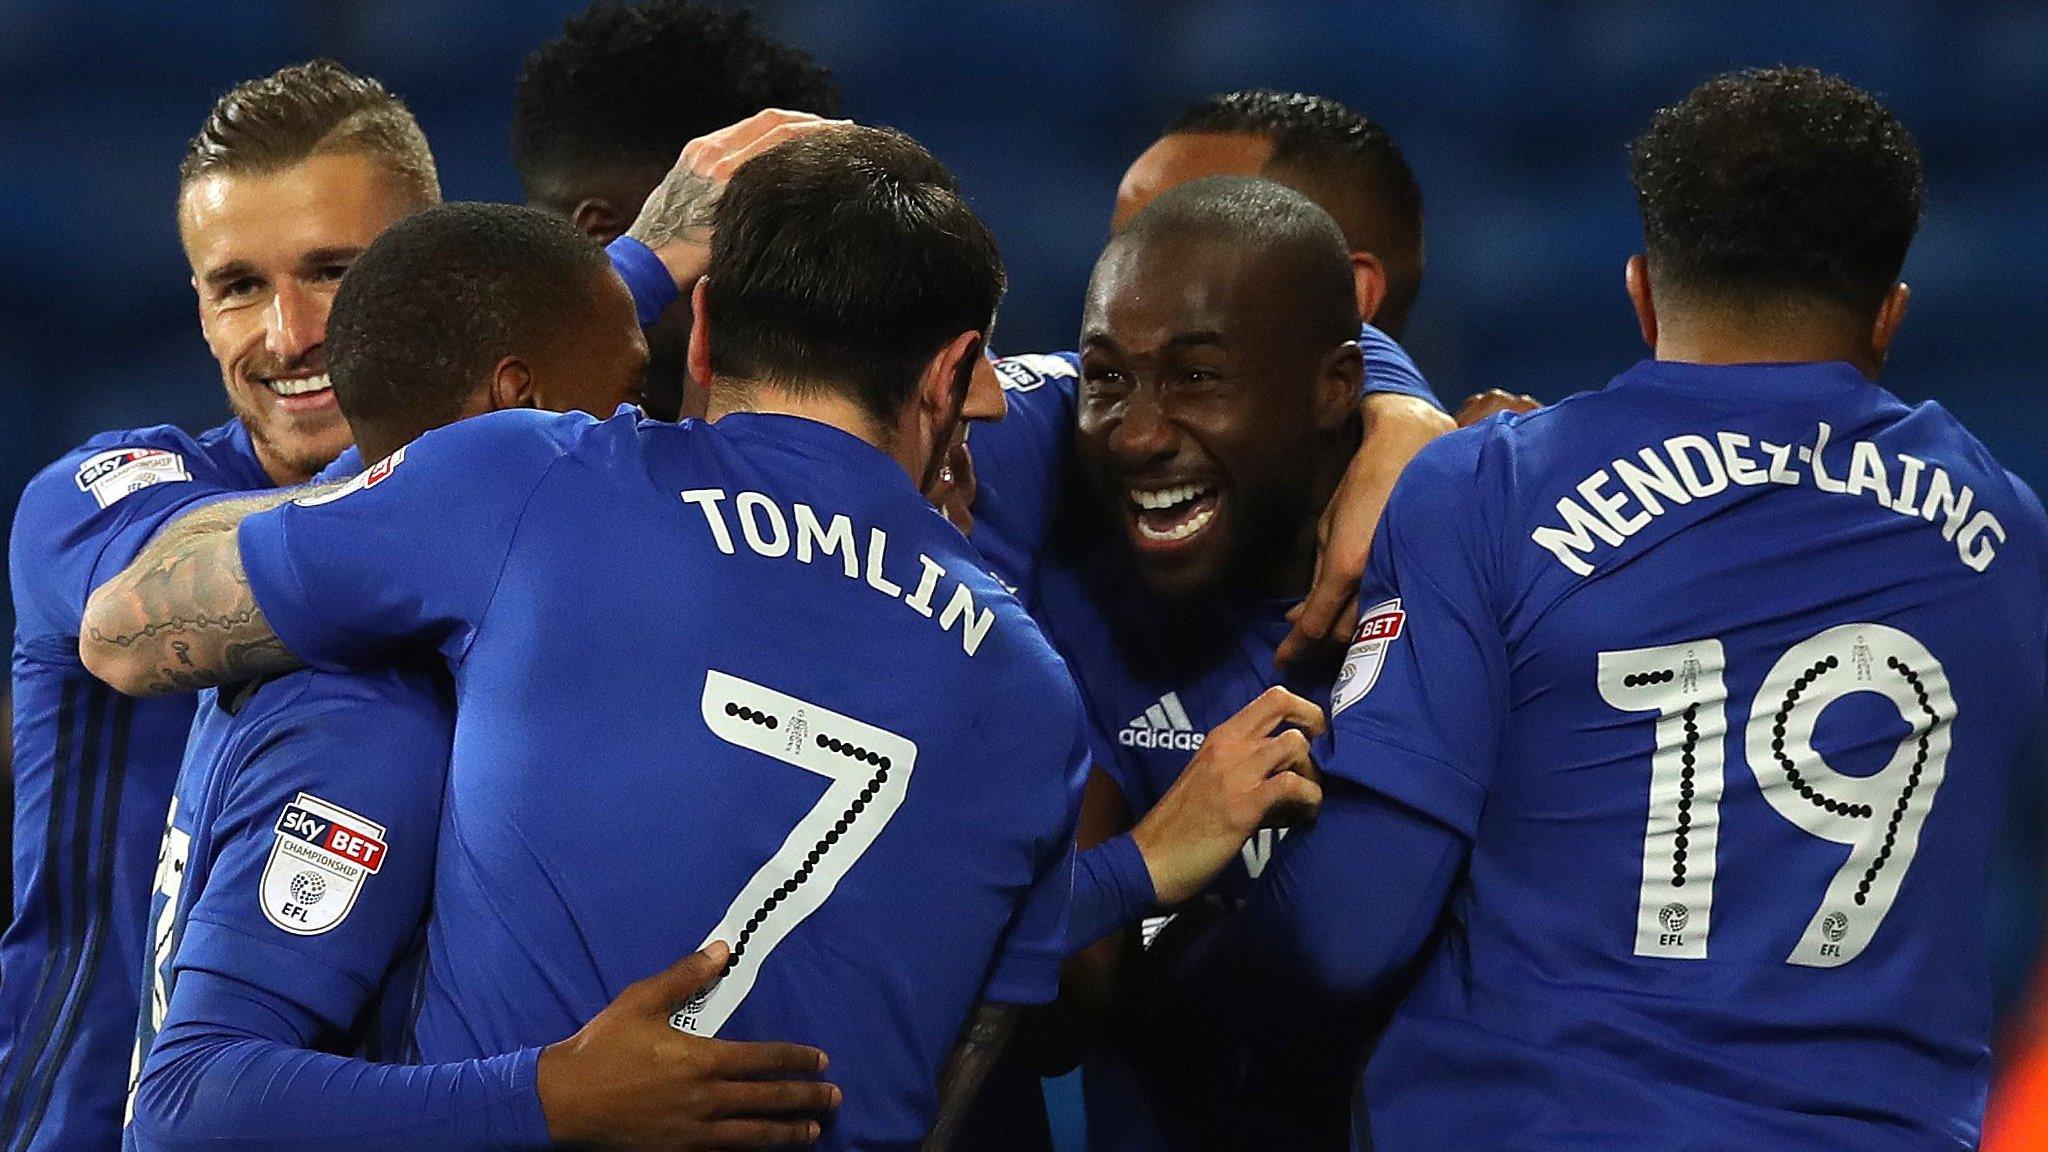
(1143, 433)
(985, 399)
(296, 322)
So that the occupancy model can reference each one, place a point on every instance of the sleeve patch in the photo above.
(109, 476)
(1378, 628)
(1025, 373)
(369, 478)
(322, 857)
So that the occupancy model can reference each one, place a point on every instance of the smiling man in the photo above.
(290, 178)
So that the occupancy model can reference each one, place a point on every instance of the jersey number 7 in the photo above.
(1879, 816)
(869, 770)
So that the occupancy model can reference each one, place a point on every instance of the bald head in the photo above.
(1265, 224)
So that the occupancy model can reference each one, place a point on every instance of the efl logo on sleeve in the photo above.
(370, 477)
(109, 476)
(318, 865)
(1378, 628)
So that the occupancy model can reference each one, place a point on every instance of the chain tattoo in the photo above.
(182, 616)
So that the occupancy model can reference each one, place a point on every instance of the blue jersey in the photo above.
(1023, 462)
(93, 771)
(299, 853)
(735, 682)
(1722, 670)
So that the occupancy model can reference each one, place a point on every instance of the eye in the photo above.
(1200, 377)
(330, 273)
(1102, 380)
(240, 287)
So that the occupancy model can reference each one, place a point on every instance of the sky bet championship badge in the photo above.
(323, 856)
(1378, 628)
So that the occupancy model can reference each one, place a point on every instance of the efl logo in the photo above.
(383, 468)
(354, 845)
(1378, 628)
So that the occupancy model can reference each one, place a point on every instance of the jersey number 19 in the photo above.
(1879, 816)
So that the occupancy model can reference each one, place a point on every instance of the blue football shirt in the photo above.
(93, 772)
(733, 682)
(299, 852)
(1723, 671)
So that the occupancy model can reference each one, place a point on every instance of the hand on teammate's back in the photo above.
(1252, 772)
(676, 219)
(1396, 428)
(1492, 402)
(629, 1080)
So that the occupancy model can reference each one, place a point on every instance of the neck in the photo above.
(824, 404)
(1789, 334)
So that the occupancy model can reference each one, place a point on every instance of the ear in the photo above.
(699, 359)
(594, 216)
(1890, 315)
(1369, 281)
(511, 385)
(1339, 378)
(936, 389)
(1637, 278)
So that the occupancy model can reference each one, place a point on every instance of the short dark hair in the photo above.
(846, 257)
(1265, 219)
(311, 109)
(631, 84)
(1778, 182)
(429, 309)
(1352, 165)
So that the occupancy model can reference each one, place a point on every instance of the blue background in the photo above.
(1514, 113)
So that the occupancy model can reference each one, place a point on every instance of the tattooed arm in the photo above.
(987, 1031)
(181, 617)
(675, 221)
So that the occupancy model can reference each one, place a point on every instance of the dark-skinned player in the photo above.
(1679, 722)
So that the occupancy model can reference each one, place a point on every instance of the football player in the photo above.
(1681, 711)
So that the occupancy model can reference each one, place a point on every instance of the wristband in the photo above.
(646, 277)
(1112, 890)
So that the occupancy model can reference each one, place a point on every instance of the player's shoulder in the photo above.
(369, 717)
(1029, 372)
(494, 451)
(110, 467)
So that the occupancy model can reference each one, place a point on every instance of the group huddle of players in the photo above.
(683, 734)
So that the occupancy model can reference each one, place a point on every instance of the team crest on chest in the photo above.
(318, 865)
(1378, 628)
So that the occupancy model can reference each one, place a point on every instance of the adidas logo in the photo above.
(1163, 725)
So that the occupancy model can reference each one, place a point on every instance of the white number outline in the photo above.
(1875, 815)
(869, 769)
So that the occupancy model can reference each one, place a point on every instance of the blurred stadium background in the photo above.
(1514, 113)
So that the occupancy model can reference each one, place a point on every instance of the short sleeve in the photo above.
(84, 518)
(1388, 367)
(323, 851)
(1421, 700)
(406, 555)
(1027, 966)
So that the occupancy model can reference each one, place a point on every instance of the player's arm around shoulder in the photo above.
(195, 608)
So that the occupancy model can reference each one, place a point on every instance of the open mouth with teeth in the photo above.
(1167, 517)
(303, 386)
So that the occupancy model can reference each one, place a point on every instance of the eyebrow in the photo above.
(232, 270)
(330, 255)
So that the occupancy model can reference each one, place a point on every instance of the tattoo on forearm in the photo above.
(987, 1031)
(184, 612)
